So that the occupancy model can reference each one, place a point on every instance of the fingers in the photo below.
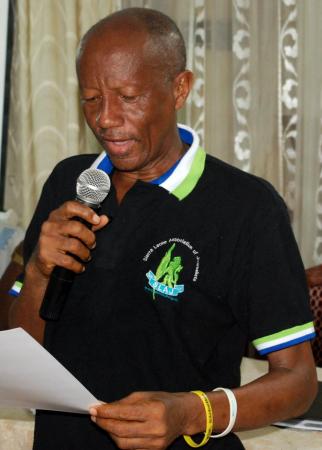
(138, 407)
(72, 209)
(61, 253)
(62, 230)
(134, 435)
(65, 241)
(104, 220)
(143, 420)
(124, 429)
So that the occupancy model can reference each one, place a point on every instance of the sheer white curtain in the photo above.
(256, 101)
(257, 98)
(279, 60)
(46, 124)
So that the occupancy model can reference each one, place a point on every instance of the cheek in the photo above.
(135, 115)
(90, 115)
(149, 109)
(146, 115)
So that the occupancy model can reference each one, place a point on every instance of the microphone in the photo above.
(92, 187)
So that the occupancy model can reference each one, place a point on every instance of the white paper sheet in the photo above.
(30, 377)
(301, 424)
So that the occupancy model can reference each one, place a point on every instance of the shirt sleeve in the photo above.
(273, 287)
(17, 286)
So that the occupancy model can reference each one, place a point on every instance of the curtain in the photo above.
(45, 121)
(256, 101)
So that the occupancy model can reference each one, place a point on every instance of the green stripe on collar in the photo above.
(190, 181)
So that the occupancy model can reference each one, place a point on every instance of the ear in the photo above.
(183, 83)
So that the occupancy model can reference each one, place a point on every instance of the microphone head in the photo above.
(92, 186)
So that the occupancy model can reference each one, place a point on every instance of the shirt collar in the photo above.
(181, 179)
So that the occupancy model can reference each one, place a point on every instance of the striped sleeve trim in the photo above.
(16, 288)
(284, 339)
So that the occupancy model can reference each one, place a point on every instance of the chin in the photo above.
(125, 164)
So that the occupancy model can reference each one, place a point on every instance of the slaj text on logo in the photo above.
(165, 279)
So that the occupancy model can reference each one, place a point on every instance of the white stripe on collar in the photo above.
(182, 169)
(184, 166)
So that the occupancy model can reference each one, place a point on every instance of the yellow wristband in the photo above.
(209, 421)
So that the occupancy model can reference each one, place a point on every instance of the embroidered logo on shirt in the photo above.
(165, 279)
(168, 267)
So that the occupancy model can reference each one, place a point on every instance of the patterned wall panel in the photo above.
(241, 84)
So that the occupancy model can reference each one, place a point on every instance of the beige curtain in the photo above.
(256, 102)
(45, 123)
(258, 95)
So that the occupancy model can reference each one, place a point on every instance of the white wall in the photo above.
(4, 9)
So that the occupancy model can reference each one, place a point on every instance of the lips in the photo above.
(118, 147)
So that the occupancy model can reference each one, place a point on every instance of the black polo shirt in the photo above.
(189, 270)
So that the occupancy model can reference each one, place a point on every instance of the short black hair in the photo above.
(167, 39)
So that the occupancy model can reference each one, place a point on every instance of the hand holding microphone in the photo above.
(69, 229)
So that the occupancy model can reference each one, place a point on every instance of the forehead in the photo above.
(121, 55)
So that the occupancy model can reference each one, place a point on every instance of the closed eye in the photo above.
(129, 98)
(93, 99)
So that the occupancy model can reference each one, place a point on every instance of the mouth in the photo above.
(118, 147)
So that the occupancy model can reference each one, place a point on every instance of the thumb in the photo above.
(104, 220)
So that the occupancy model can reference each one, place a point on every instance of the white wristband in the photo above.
(232, 411)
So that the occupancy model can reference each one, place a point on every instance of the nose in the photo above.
(109, 113)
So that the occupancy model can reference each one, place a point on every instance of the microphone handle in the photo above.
(57, 290)
(59, 285)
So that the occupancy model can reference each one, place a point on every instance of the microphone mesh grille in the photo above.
(92, 186)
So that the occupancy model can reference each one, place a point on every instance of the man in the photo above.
(189, 259)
